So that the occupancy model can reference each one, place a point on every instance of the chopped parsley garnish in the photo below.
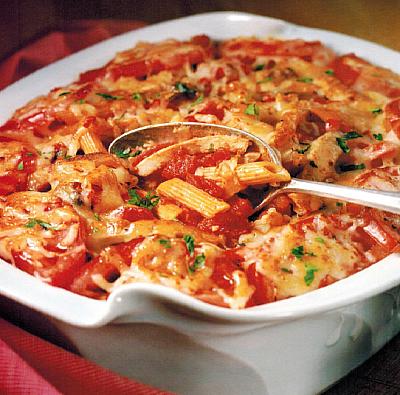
(183, 88)
(136, 96)
(81, 101)
(342, 144)
(252, 109)
(286, 270)
(378, 136)
(320, 240)
(198, 100)
(211, 148)
(149, 201)
(266, 79)
(341, 141)
(305, 79)
(107, 96)
(299, 252)
(339, 204)
(305, 149)
(189, 240)
(259, 67)
(45, 225)
(29, 154)
(376, 111)
(309, 277)
(352, 167)
(329, 72)
(20, 166)
(164, 242)
(97, 216)
(313, 164)
(126, 153)
(64, 93)
(198, 263)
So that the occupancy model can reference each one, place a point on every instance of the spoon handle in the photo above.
(386, 201)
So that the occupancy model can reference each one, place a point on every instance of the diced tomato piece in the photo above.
(264, 289)
(23, 261)
(82, 92)
(219, 73)
(327, 280)
(136, 69)
(11, 124)
(344, 72)
(212, 109)
(202, 40)
(392, 114)
(92, 75)
(190, 217)
(126, 249)
(224, 266)
(231, 223)
(134, 213)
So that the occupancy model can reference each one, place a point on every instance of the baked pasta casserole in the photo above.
(179, 215)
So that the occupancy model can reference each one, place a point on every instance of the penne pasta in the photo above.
(192, 197)
(254, 173)
(89, 142)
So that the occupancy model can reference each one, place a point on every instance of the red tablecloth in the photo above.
(28, 364)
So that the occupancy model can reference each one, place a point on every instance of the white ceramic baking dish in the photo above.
(162, 337)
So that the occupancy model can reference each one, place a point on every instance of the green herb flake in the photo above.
(266, 79)
(377, 111)
(329, 72)
(339, 204)
(313, 164)
(189, 240)
(305, 79)
(305, 149)
(309, 276)
(286, 270)
(352, 167)
(29, 154)
(320, 240)
(378, 136)
(107, 96)
(81, 101)
(343, 145)
(298, 252)
(126, 153)
(64, 93)
(198, 101)
(183, 88)
(252, 109)
(259, 67)
(211, 148)
(136, 96)
(97, 216)
(347, 136)
(45, 225)
(198, 263)
(20, 166)
(164, 242)
(149, 201)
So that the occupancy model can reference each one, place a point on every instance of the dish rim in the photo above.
(47, 299)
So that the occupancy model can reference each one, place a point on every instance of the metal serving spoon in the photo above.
(181, 131)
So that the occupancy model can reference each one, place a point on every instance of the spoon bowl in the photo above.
(176, 132)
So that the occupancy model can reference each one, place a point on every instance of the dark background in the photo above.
(375, 20)
(22, 21)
